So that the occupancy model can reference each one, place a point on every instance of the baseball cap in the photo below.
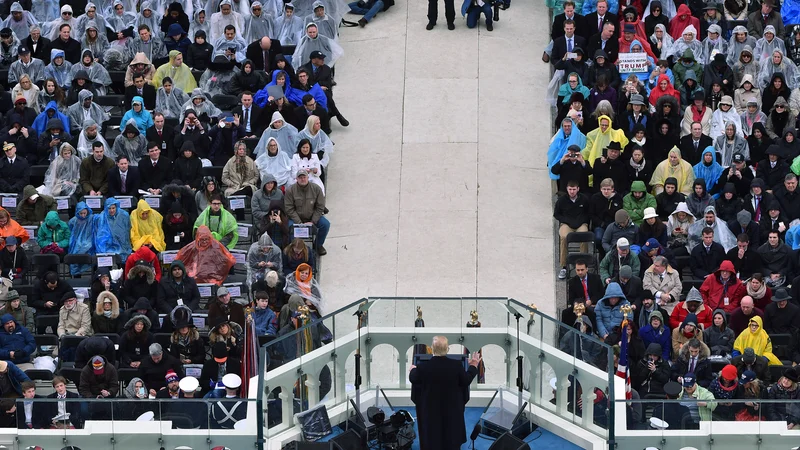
(222, 291)
(23, 51)
(738, 157)
(317, 54)
(11, 240)
(623, 243)
(98, 365)
(749, 356)
(689, 379)
(747, 376)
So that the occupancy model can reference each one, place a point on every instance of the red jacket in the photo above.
(146, 254)
(759, 303)
(714, 293)
(704, 316)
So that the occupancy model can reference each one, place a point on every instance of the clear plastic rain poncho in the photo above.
(61, 178)
(34, 69)
(113, 230)
(51, 29)
(764, 48)
(218, 78)
(83, 21)
(97, 73)
(305, 286)
(336, 9)
(278, 165)
(262, 251)
(739, 39)
(170, 104)
(711, 48)
(257, 27)
(722, 235)
(326, 24)
(204, 107)
(219, 20)
(688, 40)
(60, 73)
(116, 58)
(308, 44)
(154, 21)
(85, 142)
(133, 148)
(81, 239)
(196, 26)
(78, 112)
(666, 40)
(237, 44)
(778, 63)
(22, 27)
(45, 10)
(205, 259)
(121, 20)
(146, 227)
(288, 28)
(285, 133)
(100, 44)
(320, 142)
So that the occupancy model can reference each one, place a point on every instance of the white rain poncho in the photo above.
(219, 21)
(666, 40)
(767, 67)
(722, 235)
(45, 11)
(170, 104)
(53, 26)
(119, 21)
(711, 48)
(22, 27)
(154, 21)
(78, 114)
(205, 107)
(320, 142)
(154, 49)
(218, 78)
(764, 48)
(59, 73)
(241, 6)
(735, 47)
(83, 21)
(308, 288)
(325, 24)
(288, 29)
(97, 73)
(34, 69)
(196, 26)
(335, 9)
(100, 44)
(238, 45)
(278, 165)
(307, 44)
(286, 135)
(134, 148)
(61, 178)
(85, 142)
(257, 27)
(688, 40)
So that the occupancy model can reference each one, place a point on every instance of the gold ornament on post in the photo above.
(626, 311)
(304, 312)
(473, 321)
(579, 309)
(531, 316)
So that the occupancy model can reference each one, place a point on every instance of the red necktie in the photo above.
(159, 133)
(585, 289)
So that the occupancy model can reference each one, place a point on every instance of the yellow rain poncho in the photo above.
(182, 77)
(683, 172)
(597, 141)
(147, 230)
(758, 341)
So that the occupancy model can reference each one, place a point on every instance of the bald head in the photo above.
(266, 43)
(746, 304)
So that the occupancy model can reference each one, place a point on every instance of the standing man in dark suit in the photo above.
(155, 170)
(142, 89)
(263, 52)
(440, 390)
(15, 172)
(605, 40)
(692, 145)
(123, 179)
(39, 46)
(251, 115)
(581, 28)
(566, 43)
(597, 19)
(164, 137)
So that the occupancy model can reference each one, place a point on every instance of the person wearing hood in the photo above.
(771, 171)
(206, 259)
(656, 332)
(177, 290)
(776, 257)
(85, 109)
(663, 88)
(19, 21)
(668, 200)
(756, 337)
(94, 40)
(42, 122)
(678, 228)
(169, 100)
(142, 118)
(248, 80)
(112, 229)
(177, 71)
(278, 163)
(719, 71)
(608, 309)
(708, 169)
(175, 15)
(581, 342)
(53, 234)
(224, 17)
(696, 110)
(747, 92)
(573, 85)
(288, 28)
(8, 47)
(204, 108)
(315, 41)
(777, 88)
(719, 289)
(715, 43)
(682, 19)
(80, 81)
(284, 133)
(778, 63)
(773, 220)
(175, 39)
(96, 73)
(603, 67)
(106, 318)
(81, 239)
(767, 44)
(719, 337)
(598, 139)
(660, 41)
(187, 167)
(132, 143)
(759, 143)
(177, 226)
(135, 342)
(146, 228)
(728, 203)
(140, 282)
(33, 207)
(652, 372)
(258, 24)
(220, 222)
(688, 329)
(262, 257)
(780, 118)
(139, 65)
(262, 199)
(198, 54)
(229, 45)
(744, 63)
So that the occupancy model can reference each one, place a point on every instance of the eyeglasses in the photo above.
(66, 14)
(779, 106)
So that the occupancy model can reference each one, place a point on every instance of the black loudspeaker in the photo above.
(349, 440)
(509, 442)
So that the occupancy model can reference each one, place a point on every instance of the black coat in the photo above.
(572, 170)
(686, 146)
(188, 171)
(138, 287)
(200, 140)
(763, 204)
(616, 169)
(789, 201)
(43, 294)
(592, 20)
(257, 119)
(26, 147)
(155, 177)
(594, 284)
(132, 182)
(169, 293)
(323, 75)
(440, 390)
(301, 115)
(42, 50)
(71, 48)
(752, 230)
(560, 47)
(781, 320)
(198, 56)
(41, 414)
(153, 373)
(148, 94)
(602, 210)
(208, 374)
(747, 266)
(256, 54)
(595, 43)
(167, 141)
(14, 177)
(772, 176)
(742, 184)
(581, 27)
(702, 262)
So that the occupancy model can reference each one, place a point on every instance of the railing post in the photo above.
(562, 395)
(287, 409)
(313, 390)
(402, 361)
(588, 408)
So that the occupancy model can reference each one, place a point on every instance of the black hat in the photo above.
(774, 205)
(738, 157)
(672, 389)
(181, 317)
(216, 322)
(614, 145)
(219, 351)
(629, 28)
(23, 50)
(6, 32)
(698, 95)
(781, 295)
(576, 97)
(775, 149)
(791, 373)
(317, 54)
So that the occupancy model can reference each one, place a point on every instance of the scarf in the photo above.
(107, 314)
(637, 167)
(241, 167)
(759, 294)
(698, 116)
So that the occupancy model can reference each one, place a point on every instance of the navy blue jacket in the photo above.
(20, 341)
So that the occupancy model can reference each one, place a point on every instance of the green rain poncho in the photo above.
(53, 229)
(223, 227)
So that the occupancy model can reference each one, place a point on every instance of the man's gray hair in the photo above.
(661, 260)
(155, 349)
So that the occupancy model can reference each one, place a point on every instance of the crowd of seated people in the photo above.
(222, 126)
(685, 176)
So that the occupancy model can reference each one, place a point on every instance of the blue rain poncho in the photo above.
(40, 123)
(558, 147)
(143, 118)
(293, 95)
(81, 239)
(793, 237)
(113, 233)
(711, 172)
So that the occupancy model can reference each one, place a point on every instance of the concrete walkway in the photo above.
(439, 186)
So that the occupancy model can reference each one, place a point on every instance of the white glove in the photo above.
(116, 274)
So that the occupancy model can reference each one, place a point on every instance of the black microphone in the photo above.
(475, 432)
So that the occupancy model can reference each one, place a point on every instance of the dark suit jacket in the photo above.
(257, 119)
(594, 283)
(72, 49)
(592, 19)
(560, 47)
(324, 75)
(167, 140)
(155, 177)
(581, 27)
(132, 181)
(73, 408)
(148, 94)
(256, 54)
(300, 117)
(686, 146)
(704, 263)
(595, 43)
(209, 372)
(201, 142)
(39, 415)
(42, 49)
(14, 178)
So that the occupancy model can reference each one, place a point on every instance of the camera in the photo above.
(397, 433)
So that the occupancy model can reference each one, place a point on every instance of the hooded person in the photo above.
(746, 92)
(688, 40)
(722, 117)
(92, 13)
(199, 23)
(660, 41)
(719, 290)
(81, 239)
(718, 70)
(288, 27)
(780, 118)
(686, 60)
(180, 74)
(756, 337)
(719, 337)
(105, 317)
(315, 41)
(708, 168)
(581, 342)
(33, 207)
(218, 77)
(657, 332)
(303, 283)
(131, 143)
(140, 115)
(262, 200)
(673, 167)
(759, 143)
(751, 114)
(61, 178)
(743, 64)
(53, 235)
(682, 20)
(46, 11)
(608, 310)
(729, 145)
(663, 87)
(689, 328)
(151, 19)
(55, 24)
(85, 109)
(176, 39)
(135, 341)
(559, 146)
(95, 40)
(274, 162)
(598, 139)
(50, 112)
(139, 65)
(146, 227)
(177, 290)
(326, 25)
(282, 79)
(656, 13)
(202, 106)
(170, 99)
(140, 282)
(187, 167)
(712, 46)
(112, 229)
(678, 226)
(645, 380)
(222, 225)
(722, 235)
(177, 225)
(566, 90)
(176, 15)
(777, 88)
(262, 257)
(98, 74)
(778, 62)
(258, 24)
(699, 199)
(284, 133)
(59, 69)
(224, 17)
(88, 136)
(206, 260)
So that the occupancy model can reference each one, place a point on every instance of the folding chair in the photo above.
(782, 345)
(45, 343)
(80, 259)
(39, 374)
(589, 255)
(126, 374)
(37, 175)
(113, 337)
(71, 374)
(68, 342)
(44, 321)
(43, 263)
(213, 171)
